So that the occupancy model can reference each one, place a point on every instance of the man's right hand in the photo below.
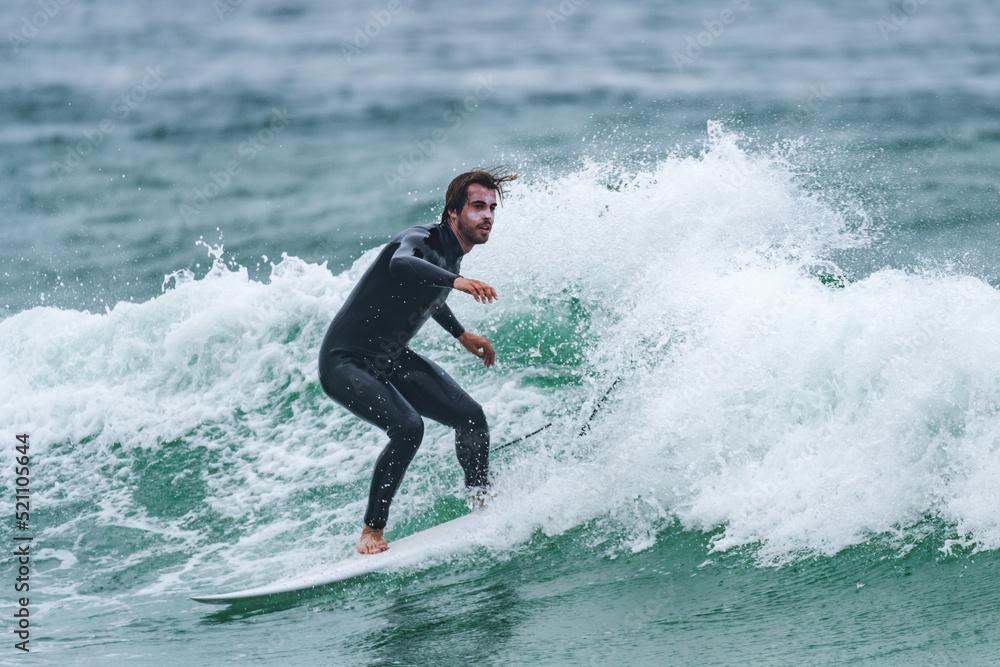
(482, 292)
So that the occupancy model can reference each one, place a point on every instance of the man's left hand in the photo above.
(478, 346)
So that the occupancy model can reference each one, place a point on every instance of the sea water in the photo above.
(749, 276)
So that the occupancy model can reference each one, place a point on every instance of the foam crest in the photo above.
(755, 394)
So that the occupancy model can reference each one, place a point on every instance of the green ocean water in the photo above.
(754, 294)
(554, 601)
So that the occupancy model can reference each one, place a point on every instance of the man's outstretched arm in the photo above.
(448, 321)
(477, 345)
(480, 291)
(483, 293)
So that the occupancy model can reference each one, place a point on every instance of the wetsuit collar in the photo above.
(451, 244)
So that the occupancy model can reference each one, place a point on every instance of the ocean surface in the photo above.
(749, 274)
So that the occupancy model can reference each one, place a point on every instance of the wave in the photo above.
(684, 328)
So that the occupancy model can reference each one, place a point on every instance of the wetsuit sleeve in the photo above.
(408, 264)
(447, 319)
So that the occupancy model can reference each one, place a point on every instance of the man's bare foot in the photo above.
(479, 498)
(371, 541)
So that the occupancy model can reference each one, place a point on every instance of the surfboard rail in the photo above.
(401, 553)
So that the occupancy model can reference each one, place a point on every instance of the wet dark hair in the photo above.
(494, 178)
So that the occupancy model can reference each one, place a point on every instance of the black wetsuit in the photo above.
(366, 365)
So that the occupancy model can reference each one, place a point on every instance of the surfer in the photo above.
(367, 366)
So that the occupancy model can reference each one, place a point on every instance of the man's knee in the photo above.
(409, 429)
(471, 417)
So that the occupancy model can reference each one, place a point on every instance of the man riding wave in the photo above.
(367, 366)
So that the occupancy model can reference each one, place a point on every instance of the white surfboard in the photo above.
(443, 538)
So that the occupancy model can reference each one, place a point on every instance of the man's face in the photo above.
(476, 218)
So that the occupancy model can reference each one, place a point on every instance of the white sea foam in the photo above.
(794, 414)
(749, 397)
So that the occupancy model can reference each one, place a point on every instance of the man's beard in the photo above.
(470, 231)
